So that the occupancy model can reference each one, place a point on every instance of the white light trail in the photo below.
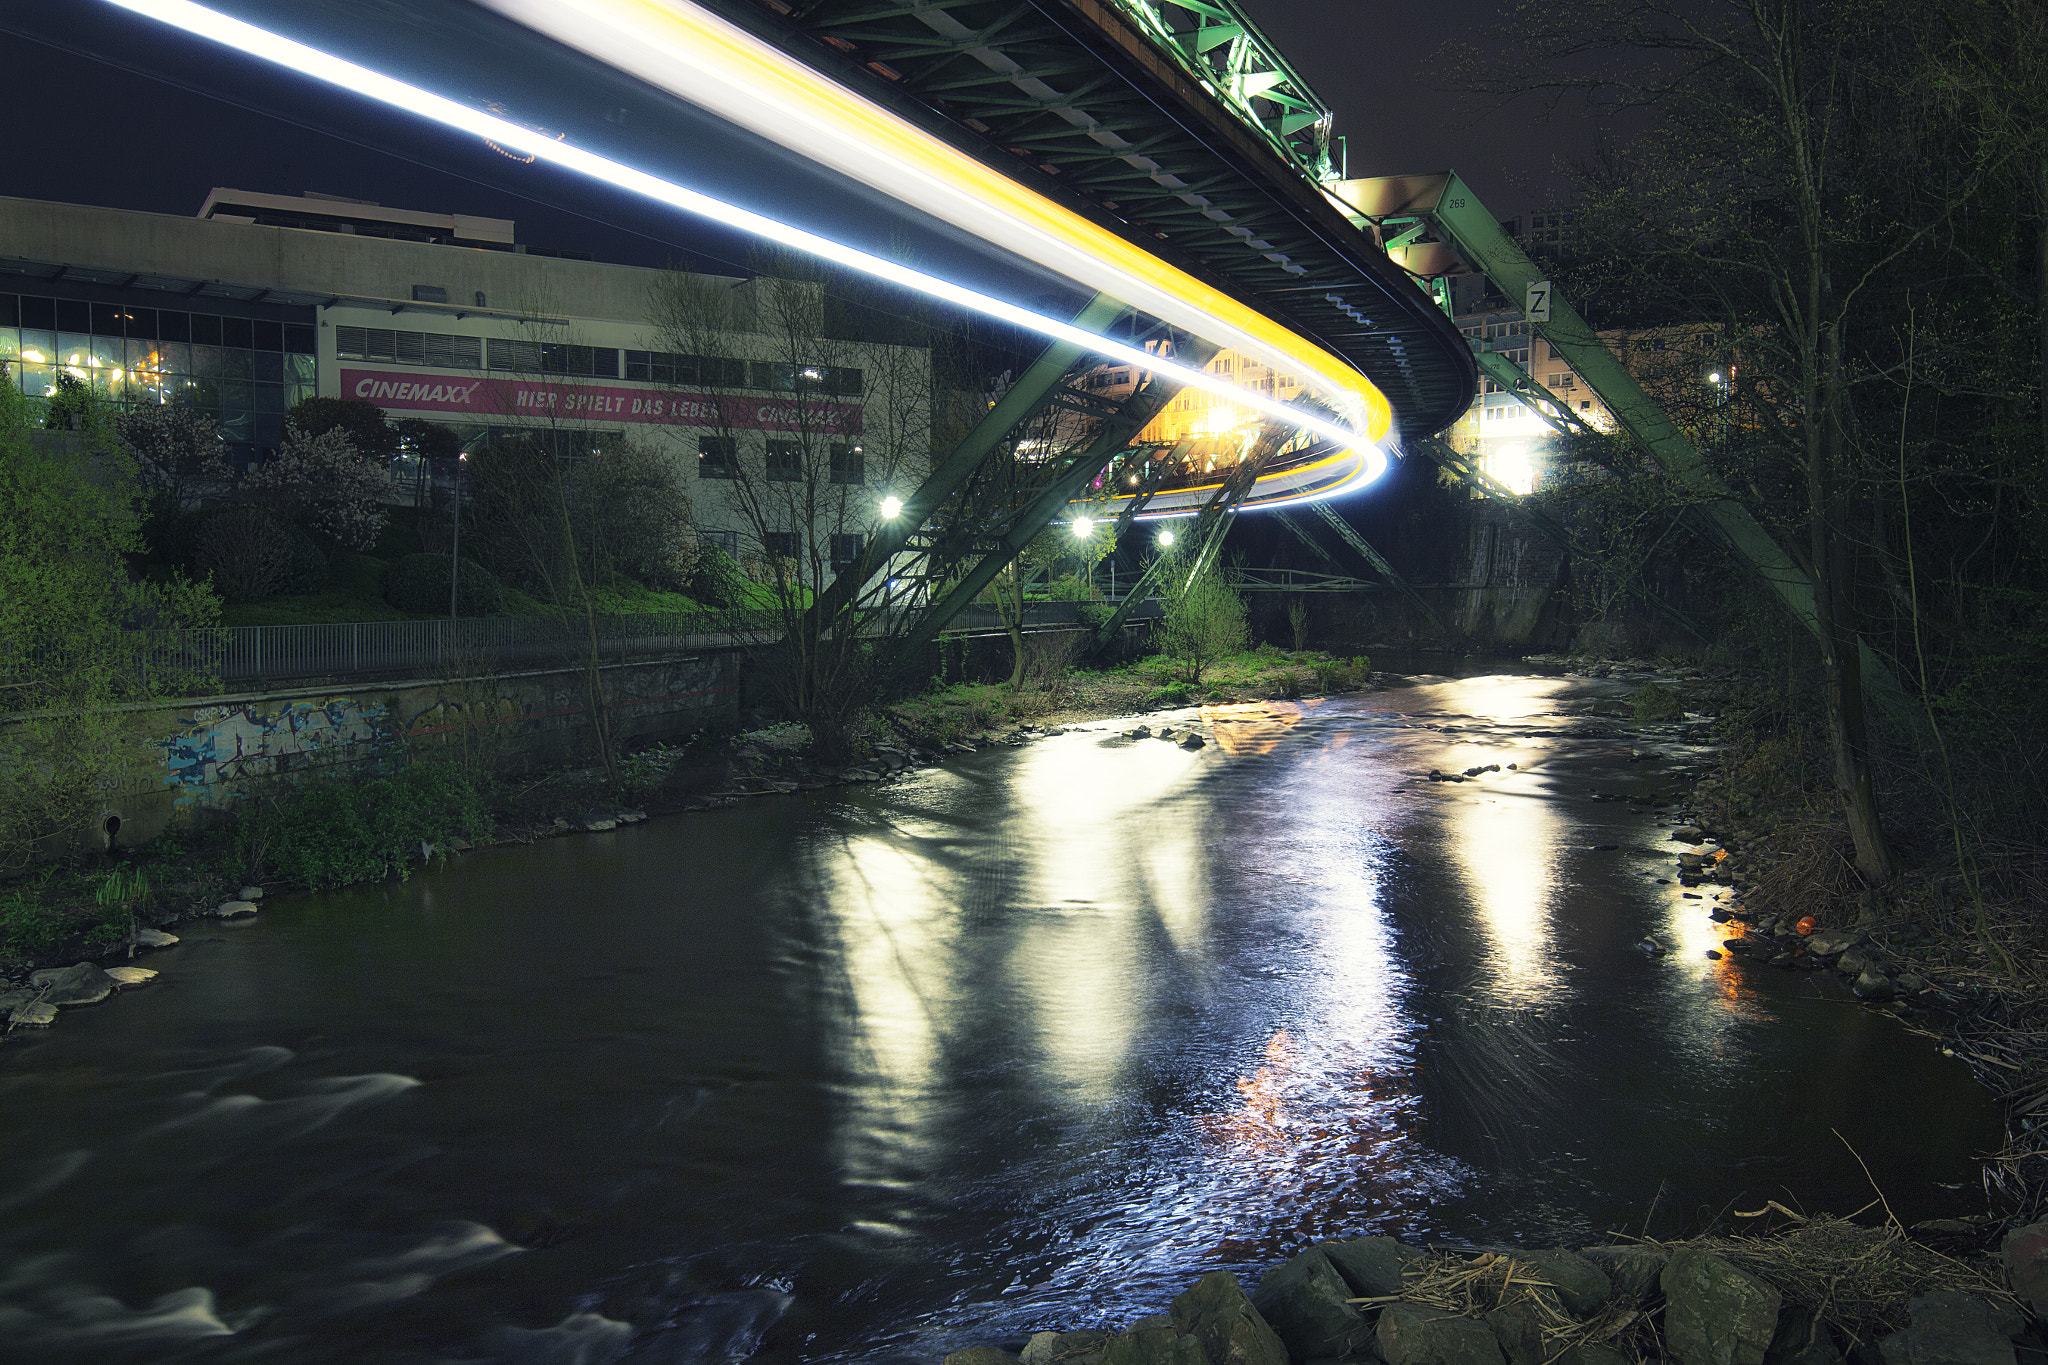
(295, 56)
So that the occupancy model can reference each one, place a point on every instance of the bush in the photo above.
(419, 583)
(339, 828)
(251, 555)
(1654, 703)
(1173, 694)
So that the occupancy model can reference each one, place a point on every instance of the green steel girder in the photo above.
(1130, 417)
(1205, 537)
(1484, 484)
(1476, 236)
(1512, 378)
(1348, 533)
(1187, 110)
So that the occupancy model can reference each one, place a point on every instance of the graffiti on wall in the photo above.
(226, 744)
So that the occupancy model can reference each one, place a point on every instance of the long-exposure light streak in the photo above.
(1357, 395)
(680, 47)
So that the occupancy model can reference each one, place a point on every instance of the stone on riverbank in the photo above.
(1633, 1270)
(1070, 1348)
(83, 984)
(1374, 1267)
(1303, 1300)
(124, 977)
(1149, 1346)
(2025, 1252)
(249, 893)
(981, 1355)
(1802, 1339)
(1714, 1313)
(1521, 1340)
(32, 1013)
(1581, 1286)
(1414, 1334)
(1954, 1329)
(235, 909)
(1193, 741)
(1217, 1312)
(152, 938)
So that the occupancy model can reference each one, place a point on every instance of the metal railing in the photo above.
(233, 657)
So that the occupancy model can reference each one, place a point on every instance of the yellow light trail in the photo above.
(1067, 242)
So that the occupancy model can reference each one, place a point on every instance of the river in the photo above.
(1031, 1038)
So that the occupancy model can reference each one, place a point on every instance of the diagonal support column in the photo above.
(1349, 535)
(1206, 535)
(1117, 430)
(1035, 388)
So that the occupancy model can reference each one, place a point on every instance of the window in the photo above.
(780, 378)
(845, 550)
(781, 544)
(716, 457)
(1567, 380)
(849, 465)
(726, 543)
(661, 367)
(548, 357)
(785, 462)
(1585, 405)
(410, 348)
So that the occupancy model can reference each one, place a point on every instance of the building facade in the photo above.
(263, 300)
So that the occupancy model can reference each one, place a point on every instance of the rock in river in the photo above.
(124, 977)
(235, 909)
(2025, 1252)
(152, 938)
(83, 984)
(1374, 1267)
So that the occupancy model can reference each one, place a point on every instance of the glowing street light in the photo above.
(1083, 528)
(1714, 378)
(1166, 539)
(891, 508)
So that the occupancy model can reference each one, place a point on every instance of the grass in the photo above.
(341, 827)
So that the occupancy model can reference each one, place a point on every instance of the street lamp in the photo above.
(891, 508)
(1166, 540)
(1083, 528)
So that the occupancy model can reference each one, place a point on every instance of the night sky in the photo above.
(109, 129)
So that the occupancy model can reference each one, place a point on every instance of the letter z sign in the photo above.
(1536, 303)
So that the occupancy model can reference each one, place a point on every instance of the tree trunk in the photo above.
(2041, 293)
(1841, 660)
(1013, 621)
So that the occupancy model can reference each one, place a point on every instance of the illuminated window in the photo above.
(785, 462)
(717, 457)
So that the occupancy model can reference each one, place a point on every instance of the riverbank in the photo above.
(339, 829)
(1810, 1292)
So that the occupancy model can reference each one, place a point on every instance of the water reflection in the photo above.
(1252, 727)
(1505, 846)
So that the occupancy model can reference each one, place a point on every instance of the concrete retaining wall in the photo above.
(206, 751)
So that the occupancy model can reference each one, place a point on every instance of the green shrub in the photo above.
(252, 554)
(1287, 683)
(28, 926)
(419, 583)
(1070, 587)
(1173, 694)
(339, 828)
(1654, 703)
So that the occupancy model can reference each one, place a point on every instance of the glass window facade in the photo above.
(244, 372)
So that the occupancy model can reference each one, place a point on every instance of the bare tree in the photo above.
(802, 433)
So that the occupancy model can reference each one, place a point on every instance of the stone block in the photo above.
(1303, 1300)
(1633, 1270)
(1217, 1312)
(1412, 1334)
(1714, 1312)
(2025, 1253)
(1372, 1266)
(83, 984)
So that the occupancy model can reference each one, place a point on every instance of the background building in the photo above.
(262, 300)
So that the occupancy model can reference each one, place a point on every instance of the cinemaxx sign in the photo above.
(501, 398)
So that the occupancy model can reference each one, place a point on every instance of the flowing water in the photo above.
(1032, 1038)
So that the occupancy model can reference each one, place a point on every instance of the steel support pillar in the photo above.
(1206, 535)
(1349, 535)
(1117, 430)
(1033, 390)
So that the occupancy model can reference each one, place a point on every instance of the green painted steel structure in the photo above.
(1171, 122)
